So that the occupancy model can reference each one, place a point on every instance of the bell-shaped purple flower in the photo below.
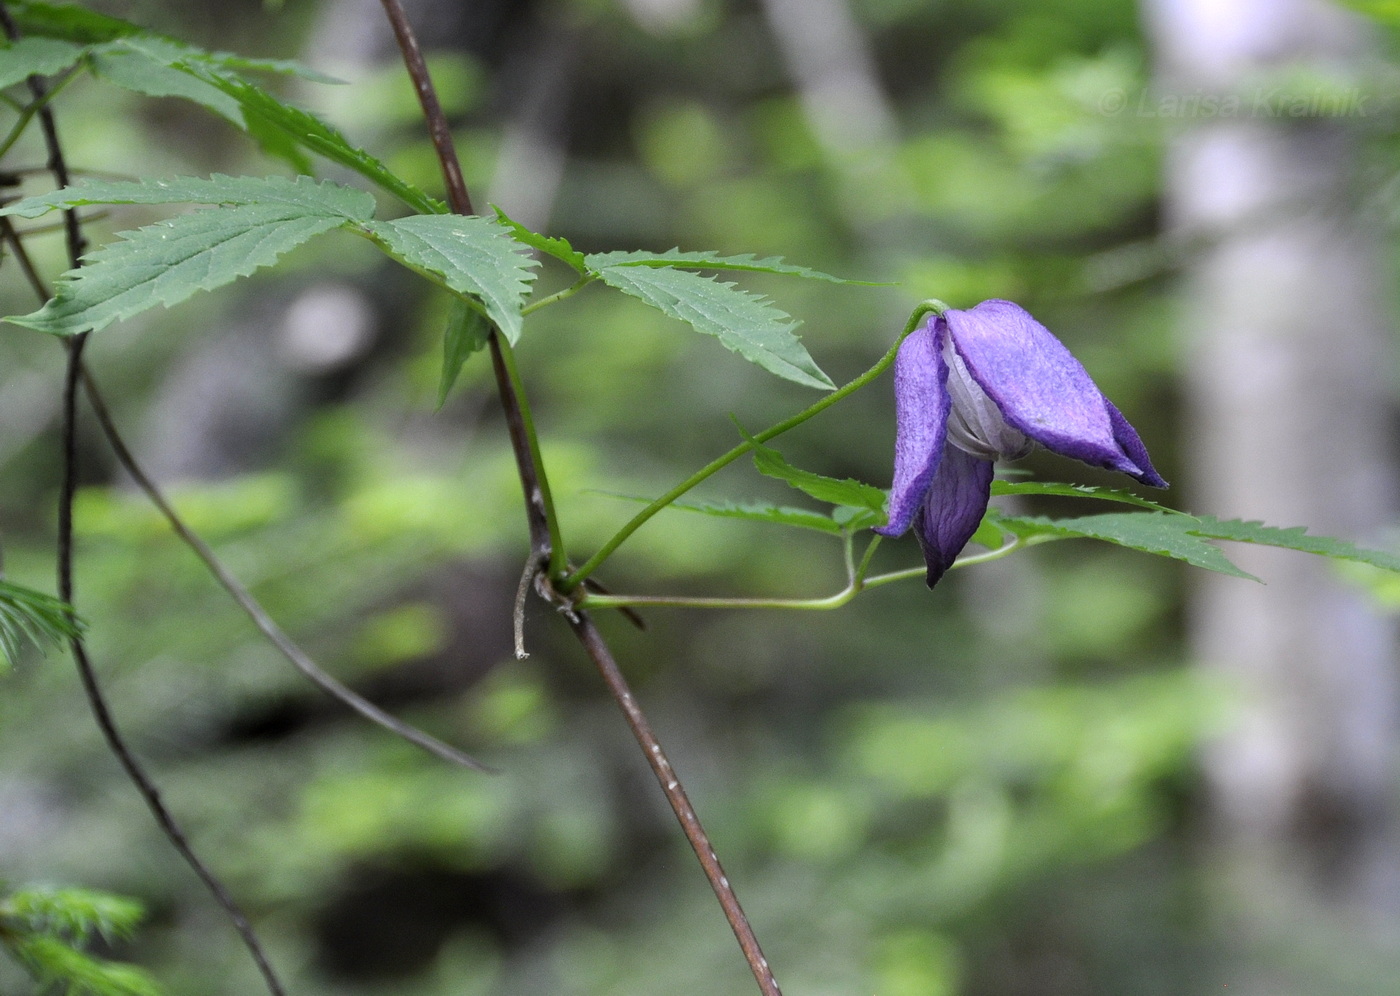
(972, 387)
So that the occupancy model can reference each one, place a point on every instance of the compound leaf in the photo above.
(167, 262)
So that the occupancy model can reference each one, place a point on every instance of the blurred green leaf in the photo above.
(466, 333)
(54, 963)
(264, 114)
(44, 927)
(151, 67)
(1386, 12)
(68, 21)
(73, 913)
(35, 57)
(31, 616)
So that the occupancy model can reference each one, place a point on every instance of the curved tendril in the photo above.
(858, 583)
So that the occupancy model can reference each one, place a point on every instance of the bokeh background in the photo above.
(1076, 771)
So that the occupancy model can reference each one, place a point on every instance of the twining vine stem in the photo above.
(544, 535)
(97, 700)
(576, 577)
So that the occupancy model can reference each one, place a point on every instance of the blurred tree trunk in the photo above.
(1288, 409)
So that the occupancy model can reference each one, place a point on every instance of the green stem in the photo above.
(574, 579)
(859, 576)
(858, 583)
(32, 108)
(558, 296)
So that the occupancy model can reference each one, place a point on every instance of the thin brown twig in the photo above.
(254, 610)
(438, 128)
(87, 674)
(670, 783)
(530, 478)
(230, 583)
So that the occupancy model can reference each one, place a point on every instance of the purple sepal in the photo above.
(1132, 445)
(1043, 391)
(922, 404)
(952, 509)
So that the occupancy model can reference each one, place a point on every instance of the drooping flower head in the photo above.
(975, 386)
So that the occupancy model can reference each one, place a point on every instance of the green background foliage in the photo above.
(989, 789)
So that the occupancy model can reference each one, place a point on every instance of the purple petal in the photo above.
(953, 509)
(1132, 445)
(921, 404)
(1043, 390)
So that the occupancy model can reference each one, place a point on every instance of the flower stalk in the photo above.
(575, 578)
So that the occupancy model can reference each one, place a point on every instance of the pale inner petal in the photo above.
(975, 424)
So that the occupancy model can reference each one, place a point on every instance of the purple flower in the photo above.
(972, 387)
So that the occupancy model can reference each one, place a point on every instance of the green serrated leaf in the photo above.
(263, 114)
(1295, 538)
(771, 463)
(28, 616)
(558, 248)
(165, 263)
(1151, 532)
(1076, 491)
(709, 260)
(36, 57)
(751, 511)
(467, 330)
(318, 197)
(744, 322)
(467, 254)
